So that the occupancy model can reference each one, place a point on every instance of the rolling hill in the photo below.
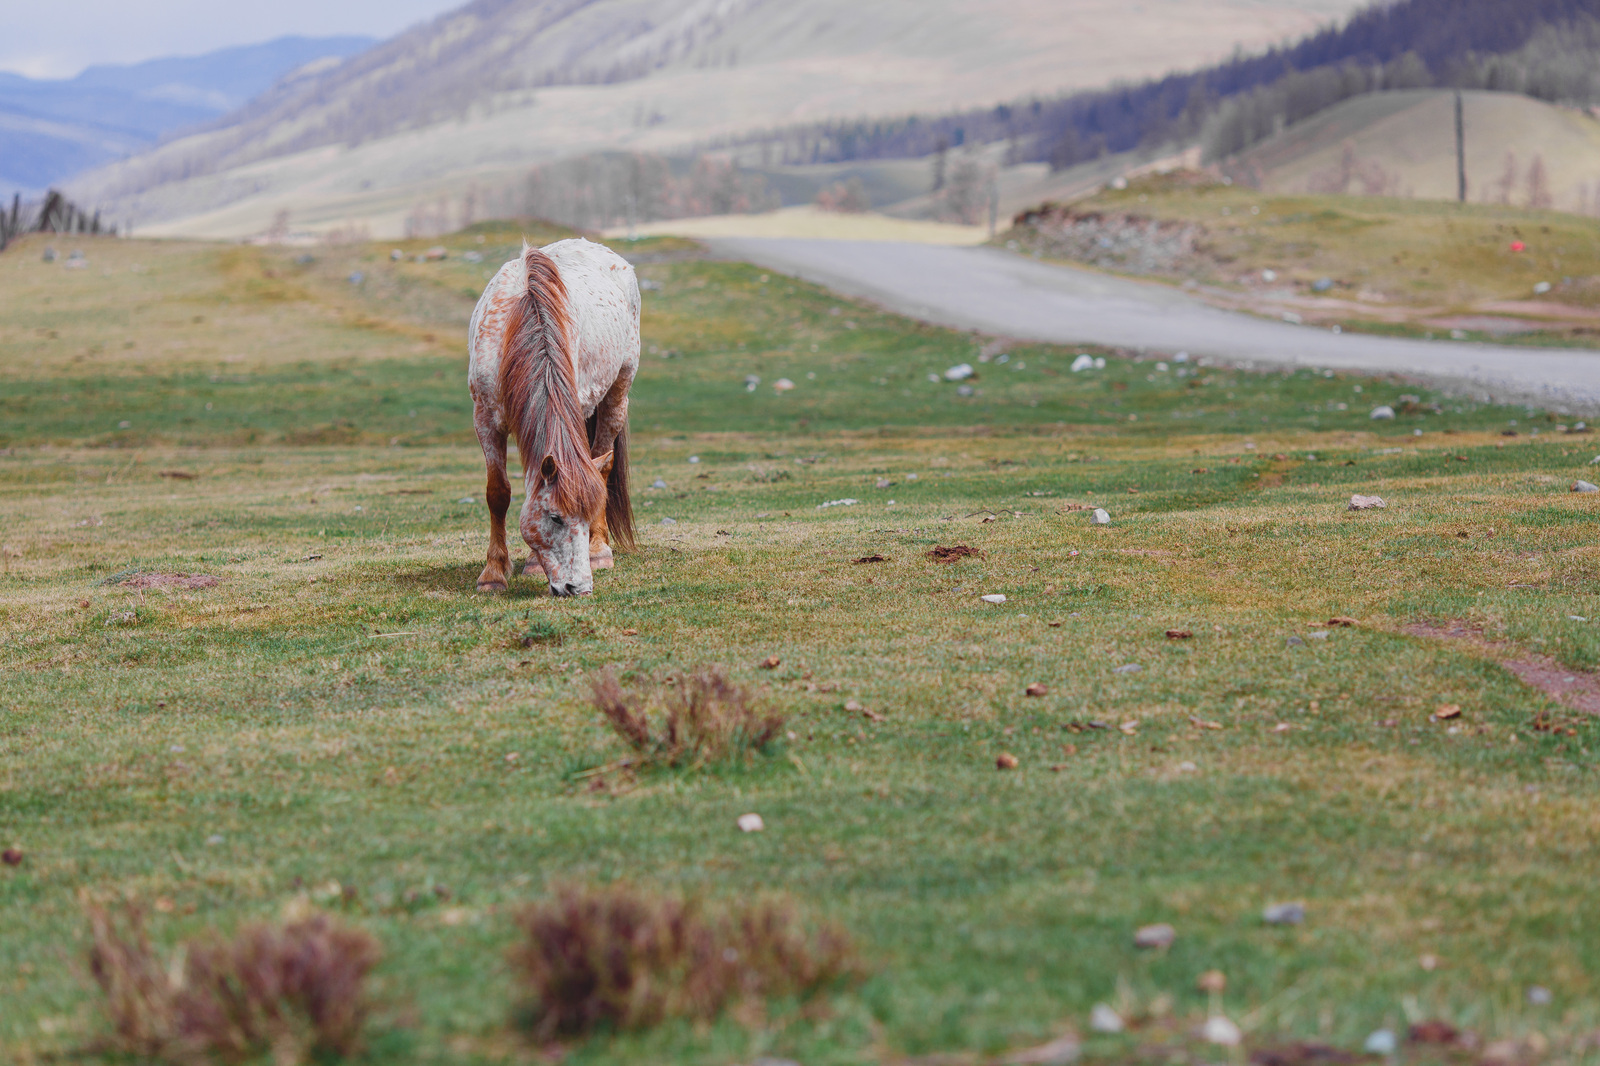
(478, 95)
(53, 129)
(1403, 144)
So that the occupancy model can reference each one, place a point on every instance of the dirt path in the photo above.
(1008, 295)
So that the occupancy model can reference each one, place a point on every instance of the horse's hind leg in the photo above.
(498, 496)
(609, 425)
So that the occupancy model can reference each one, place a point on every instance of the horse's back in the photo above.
(603, 305)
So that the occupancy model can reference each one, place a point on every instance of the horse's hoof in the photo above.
(491, 586)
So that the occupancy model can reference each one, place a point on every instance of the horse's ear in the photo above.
(547, 469)
(603, 463)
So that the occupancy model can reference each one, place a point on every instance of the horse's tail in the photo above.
(540, 391)
(619, 506)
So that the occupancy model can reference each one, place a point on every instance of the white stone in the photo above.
(1366, 503)
(1102, 1019)
(1541, 288)
(993, 597)
(1382, 412)
(782, 385)
(959, 372)
(1585, 486)
(838, 503)
(751, 823)
(1284, 914)
(1101, 518)
(1381, 1042)
(1083, 362)
(1219, 1030)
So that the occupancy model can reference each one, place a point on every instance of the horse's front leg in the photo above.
(498, 496)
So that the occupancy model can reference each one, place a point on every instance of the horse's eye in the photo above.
(558, 522)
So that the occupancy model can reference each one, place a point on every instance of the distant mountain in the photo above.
(462, 106)
(51, 130)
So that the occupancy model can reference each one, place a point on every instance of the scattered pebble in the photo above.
(1005, 761)
(658, 484)
(1382, 413)
(1381, 1042)
(1212, 981)
(965, 390)
(1101, 518)
(1103, 1019)
(513, 756)
(669, 521)
(751, 823)
(1130, 668)
(993, 597)
(1284, 914)
(214, 839)
(1366, 503)
(782, 385)
(752, 382)
(1538, 995)
(1541, 288)
(771, 662)
(838, 503)
(1293, 641)
(1318, 634)
(959, 372)
(884, 483)
(1187, 767)
(1038, 689)
(1155, 936)
(1219, 1030)
(1585, 486)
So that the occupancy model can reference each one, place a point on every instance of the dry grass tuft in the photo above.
(294, 992)
(617, 957)
(704, 718)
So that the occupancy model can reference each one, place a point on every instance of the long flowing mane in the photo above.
(540, 390)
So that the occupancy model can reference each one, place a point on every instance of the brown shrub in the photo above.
(704, 718)
(296, 991)
(616, 956)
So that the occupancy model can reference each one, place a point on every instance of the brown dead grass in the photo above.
(703, 717)
(296, 992)
(618, 957)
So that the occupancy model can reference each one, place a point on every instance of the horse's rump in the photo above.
(539, 390)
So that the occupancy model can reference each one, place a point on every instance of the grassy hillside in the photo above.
(334, 722)
(1364, 263)
(1404, 144)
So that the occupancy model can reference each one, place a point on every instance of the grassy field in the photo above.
(337, 717)
(1394, 266)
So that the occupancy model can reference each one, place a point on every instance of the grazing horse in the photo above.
(554, 346)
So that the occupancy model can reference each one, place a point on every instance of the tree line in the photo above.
(54, 214)
(1546, 48)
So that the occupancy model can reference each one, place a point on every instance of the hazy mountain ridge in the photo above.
(483, 93)
(51, 129)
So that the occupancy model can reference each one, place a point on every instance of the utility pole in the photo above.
(1461, 148)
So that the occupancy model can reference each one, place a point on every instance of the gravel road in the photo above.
(1008, 295)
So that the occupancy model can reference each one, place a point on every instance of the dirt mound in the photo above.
(171, 581)
(1131, 244)
(941, 554)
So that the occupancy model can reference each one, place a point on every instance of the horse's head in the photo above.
(561, 507)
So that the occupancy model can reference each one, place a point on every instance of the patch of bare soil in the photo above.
(171, 581)
(941, 554)
(1578, 690)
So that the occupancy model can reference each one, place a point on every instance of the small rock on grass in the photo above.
(1102, 1019)
(1130, 668)
(1101, 517)
(1155, 936)
(1381, 1042)
(993, 597)
(1005, 761)
(1038, 689)
(1539, 996)
(1366, 503)
(1585, 486)
(751, 823)
(771, 662)
(1382, 413)
(1284, 914)
(1221, 1031)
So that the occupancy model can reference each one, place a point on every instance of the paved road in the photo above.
(1011, 296)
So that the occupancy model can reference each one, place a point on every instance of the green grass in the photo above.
(338, 712)
(1399, 267)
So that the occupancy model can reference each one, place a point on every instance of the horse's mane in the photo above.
(540, 391)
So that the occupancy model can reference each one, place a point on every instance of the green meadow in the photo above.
(342, 720)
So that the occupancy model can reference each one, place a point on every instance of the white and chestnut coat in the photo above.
(554, 346)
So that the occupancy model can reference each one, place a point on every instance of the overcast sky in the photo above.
(58, 38)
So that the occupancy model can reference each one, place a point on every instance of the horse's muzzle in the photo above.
(570, 589)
